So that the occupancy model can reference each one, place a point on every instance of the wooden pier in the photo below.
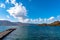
(5, 33)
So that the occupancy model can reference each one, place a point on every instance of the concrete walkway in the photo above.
(5, 33)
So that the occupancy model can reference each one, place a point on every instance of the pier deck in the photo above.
(5, 33)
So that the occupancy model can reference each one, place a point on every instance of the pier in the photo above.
(5, 33)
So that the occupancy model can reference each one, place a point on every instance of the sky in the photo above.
(30, 11)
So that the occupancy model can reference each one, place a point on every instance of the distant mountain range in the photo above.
(56, 23)
(8, 23)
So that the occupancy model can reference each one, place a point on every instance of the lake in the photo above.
(32, 33)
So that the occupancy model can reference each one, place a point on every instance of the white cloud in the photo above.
(2, 19)
(10, 1)
(2, 5)
(45, 20)
(13, 2)
(7, 1)
(34, 20)
(19, 12)
(51, 18)
(40, 19)
(26, 20)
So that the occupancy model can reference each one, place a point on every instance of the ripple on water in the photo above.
(34, 33)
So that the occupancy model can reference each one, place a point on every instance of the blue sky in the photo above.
(32, 11)
(42, 8)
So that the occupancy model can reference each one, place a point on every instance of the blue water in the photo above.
(32, 33)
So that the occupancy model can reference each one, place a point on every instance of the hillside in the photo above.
(56, 23)
(8, 23)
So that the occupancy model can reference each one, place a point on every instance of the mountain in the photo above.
(8, 23)
(56, 23)
(44, 24)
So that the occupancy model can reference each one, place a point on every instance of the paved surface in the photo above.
(5, 33)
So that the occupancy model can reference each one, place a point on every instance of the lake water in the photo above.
(32, 33)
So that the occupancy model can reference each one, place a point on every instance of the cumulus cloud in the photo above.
(2, 5)
(7, 1)
(19, 12)
(10, 1)
(13, 2)
(51, 18)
